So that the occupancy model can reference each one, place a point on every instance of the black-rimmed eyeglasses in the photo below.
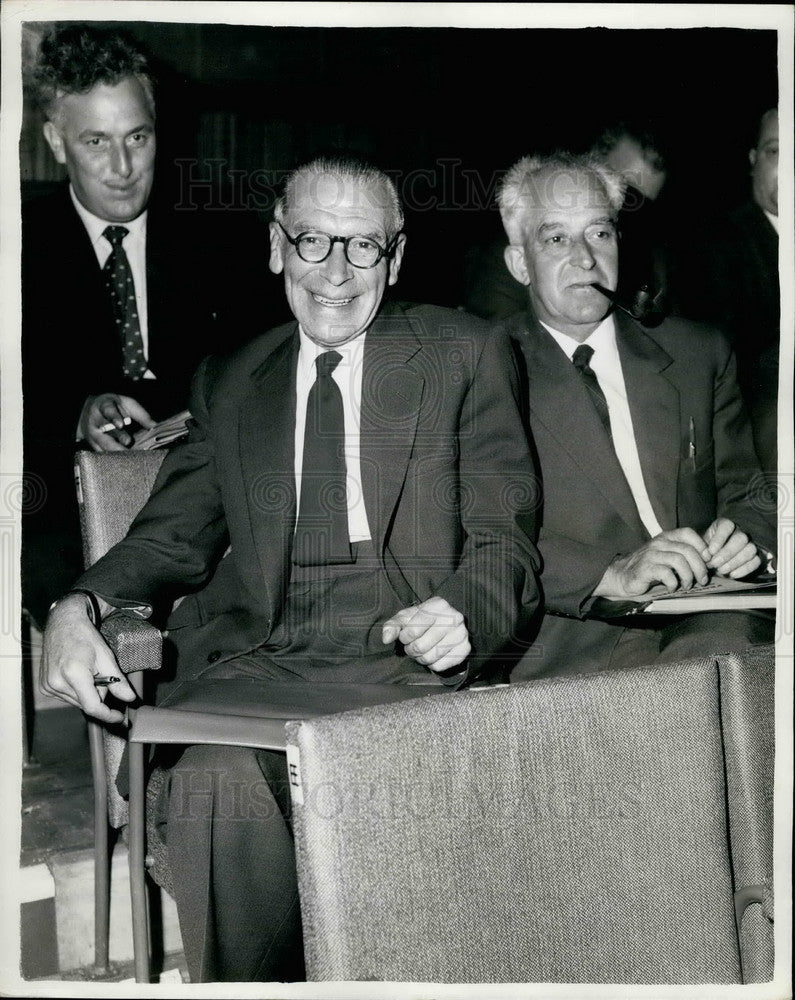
(361, 251)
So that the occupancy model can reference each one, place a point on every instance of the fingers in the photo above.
(689, 537)
(447, 656)
(668, 551)
(101, 441)
(717, 534)
(732, 552)
(107, 409)
(750, 565)
(134, 409)
(91, 699)
(737, 558)
(73, 682)
(433, 633)
(671, 559)
(73, 654)
(106, 418)
(103, 423)
(392, 626)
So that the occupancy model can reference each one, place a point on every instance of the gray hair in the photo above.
(344, 168)
(519, 189)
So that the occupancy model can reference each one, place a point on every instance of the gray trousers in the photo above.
(571, 646)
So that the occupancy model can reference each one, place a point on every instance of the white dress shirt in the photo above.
(134, 244)
(772, 219)
(606, 365)
(348, 376)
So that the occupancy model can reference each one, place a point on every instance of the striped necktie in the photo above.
(581, 360)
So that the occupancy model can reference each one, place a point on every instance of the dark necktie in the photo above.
(321, 532)
(121, 288)
(581, 360)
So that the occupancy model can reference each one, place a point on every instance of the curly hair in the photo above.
(75, 58)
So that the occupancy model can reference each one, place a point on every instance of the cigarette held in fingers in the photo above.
(106, 428)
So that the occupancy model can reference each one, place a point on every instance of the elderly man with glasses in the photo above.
(356, 499)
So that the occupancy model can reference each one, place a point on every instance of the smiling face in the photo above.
(333, 300)
(570, 241)
(106, 139)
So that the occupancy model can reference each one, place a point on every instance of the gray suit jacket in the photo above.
(679, 375)
(447, 477)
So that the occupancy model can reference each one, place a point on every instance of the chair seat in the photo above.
(167, 725)
(245, 711)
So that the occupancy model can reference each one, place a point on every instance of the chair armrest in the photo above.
(136, 643)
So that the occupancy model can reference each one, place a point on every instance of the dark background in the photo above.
(446, 111)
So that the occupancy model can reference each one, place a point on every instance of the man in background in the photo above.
(729, 276)
(122, 295)
(635, 154)
(642, 442)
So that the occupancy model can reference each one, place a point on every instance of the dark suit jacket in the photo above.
(676, 373)
(447, 478)
(207, 290)
(204, 286)
(729, 276)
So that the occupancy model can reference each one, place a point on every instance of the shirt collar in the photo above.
(95, 226)
(602, 338)
(772, 219)
(351, 352)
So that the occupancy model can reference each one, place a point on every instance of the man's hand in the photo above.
(110, 408)
(678, 559)
(433, 633)
(731, 552)
(74, 653)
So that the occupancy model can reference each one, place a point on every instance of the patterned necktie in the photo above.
(321, 532)
(581, 360)
(121, 288)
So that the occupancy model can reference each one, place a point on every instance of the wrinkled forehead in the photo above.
(358, 201)
(105, 103)
(563, 194)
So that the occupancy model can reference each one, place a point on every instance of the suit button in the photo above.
(215, 655)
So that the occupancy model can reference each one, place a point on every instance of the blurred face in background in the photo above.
(642, 168)
(764, 164)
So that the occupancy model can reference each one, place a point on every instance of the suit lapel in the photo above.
(559, 402)
(84, 295)
(267, 449)
(654, 407)
(390, 409)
